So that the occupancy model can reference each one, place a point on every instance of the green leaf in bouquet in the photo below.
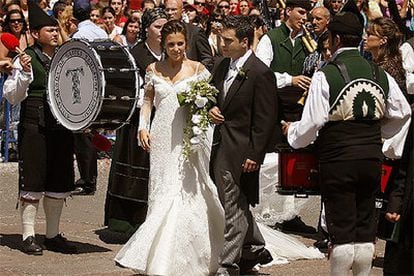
(181, 98)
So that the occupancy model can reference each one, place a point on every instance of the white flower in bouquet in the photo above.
(196, 119)
(197, 131)
(195, 140)
(200, 101)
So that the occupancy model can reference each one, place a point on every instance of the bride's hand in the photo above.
(144, 139)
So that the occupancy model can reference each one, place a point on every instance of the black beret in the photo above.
(305, 4)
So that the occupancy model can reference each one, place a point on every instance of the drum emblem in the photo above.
(74, 73)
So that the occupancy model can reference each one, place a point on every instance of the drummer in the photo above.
(371, 107)
(45, 148)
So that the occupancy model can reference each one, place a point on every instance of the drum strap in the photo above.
(344, 72)
(45, 60)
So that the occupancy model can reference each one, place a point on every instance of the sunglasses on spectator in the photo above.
(17, 21)
(224, 7)
(199, 3)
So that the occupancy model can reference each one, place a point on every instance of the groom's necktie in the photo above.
(231, 75)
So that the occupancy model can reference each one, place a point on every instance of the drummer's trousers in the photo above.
(348, 191)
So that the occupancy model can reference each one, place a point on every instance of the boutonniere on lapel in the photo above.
(242, 74)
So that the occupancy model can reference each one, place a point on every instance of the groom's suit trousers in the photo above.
(242, 236)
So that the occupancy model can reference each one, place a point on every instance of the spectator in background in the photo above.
(198, 48)
(260, 29)
(233, 7)
(15, 24)
(335, 6)
(24, 7)
(200, 5)
(108, 17)
(136, 14)
(118, 7)
(12, 5)
(191, 13)
(147, 5)
(95, 14)
(129, 36)
(244, 7)
(213, 31)
(224, 7)
(67, 24)
(58, 8)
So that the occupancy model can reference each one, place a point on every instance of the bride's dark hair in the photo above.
(171, 27)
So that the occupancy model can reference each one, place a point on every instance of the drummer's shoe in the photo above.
(84, 188)
(30, 247)
(59, 244)
(295, 225)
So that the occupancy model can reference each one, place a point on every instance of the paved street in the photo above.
(82, 223)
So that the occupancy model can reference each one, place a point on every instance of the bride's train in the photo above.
(283, 247)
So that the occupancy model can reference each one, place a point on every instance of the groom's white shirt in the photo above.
(234, 69)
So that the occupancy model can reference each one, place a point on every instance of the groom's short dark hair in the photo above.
(241, 25)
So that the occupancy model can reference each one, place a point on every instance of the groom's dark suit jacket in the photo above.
(251, 126)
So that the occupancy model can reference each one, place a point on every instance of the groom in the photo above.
(246, 120)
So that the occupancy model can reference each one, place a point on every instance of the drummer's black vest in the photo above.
(357, 99)
(34, 109)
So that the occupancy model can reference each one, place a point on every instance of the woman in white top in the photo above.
(108, 16)
(130, 33)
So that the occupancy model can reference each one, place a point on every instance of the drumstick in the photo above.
(284, 123)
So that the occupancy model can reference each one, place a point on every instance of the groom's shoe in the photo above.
(246, 266)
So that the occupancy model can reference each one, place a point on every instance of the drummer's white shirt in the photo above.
(16, 86)
(394, 125)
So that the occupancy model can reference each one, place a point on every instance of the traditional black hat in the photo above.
(38, 18)
(305, 4)
(348, 21)
(81, 9)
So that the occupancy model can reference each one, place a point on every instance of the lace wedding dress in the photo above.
(183, 231)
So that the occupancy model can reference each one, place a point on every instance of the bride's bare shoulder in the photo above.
(196, 66)
(157, 68)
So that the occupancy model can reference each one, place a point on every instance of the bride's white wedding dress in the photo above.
(183, 233)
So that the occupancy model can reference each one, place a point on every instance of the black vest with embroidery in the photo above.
(358, 91)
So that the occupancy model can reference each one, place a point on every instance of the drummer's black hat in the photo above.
(348, 21)
(38, 18)
(305, 4)
(81, 9)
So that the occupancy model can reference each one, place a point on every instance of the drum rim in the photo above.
(102, 88)
(137, 76)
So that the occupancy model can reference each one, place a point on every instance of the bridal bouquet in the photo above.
(199, 98)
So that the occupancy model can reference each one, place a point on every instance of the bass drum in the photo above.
(92, 85)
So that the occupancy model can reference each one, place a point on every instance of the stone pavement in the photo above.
(82, 223)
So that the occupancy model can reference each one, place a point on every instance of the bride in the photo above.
(183, 233)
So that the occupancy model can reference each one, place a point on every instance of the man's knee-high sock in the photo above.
(341, 259)
(363, 258)
(53, 210)
(28, 212)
